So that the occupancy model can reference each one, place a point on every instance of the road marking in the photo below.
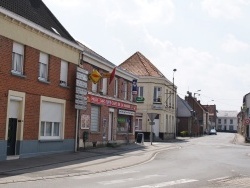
(169, 183)
(221, 178)
(128, 179)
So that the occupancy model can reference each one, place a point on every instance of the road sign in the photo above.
(247, 121)
(152, 116)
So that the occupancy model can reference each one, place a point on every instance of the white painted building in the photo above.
(227, 121)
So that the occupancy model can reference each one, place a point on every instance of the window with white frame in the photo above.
(225, 121)
(17, 58)
(116, 88)
(138, 124)
(43, 66)
(125, 90)
(140, 91)
(95, 113)
(51, 126)
(157, 94)
(231, 121)
(104, 86)
(64, 73)
(94, 87)
(219, 121)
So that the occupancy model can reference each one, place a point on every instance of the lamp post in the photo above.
(175, 106)
(194, 110)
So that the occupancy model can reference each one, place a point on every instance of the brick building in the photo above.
(110, 113)
(37, 72)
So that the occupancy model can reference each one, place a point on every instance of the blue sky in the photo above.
(207, 41)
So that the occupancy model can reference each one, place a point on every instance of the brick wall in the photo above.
(34, 89)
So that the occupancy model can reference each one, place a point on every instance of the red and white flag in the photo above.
(112, 75)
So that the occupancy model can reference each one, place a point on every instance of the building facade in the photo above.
(37, 72)
(109, 117)
(156, 95)
(227, 121)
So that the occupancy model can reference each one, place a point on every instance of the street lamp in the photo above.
(175, 105)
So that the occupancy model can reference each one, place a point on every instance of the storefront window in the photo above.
(124, 124)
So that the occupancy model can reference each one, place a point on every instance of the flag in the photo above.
(112, 75)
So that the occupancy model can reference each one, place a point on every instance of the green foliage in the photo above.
(184, 133)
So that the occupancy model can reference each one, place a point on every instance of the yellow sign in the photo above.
(95, 76)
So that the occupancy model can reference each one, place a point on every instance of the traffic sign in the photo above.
(152, 116)
(247, 121)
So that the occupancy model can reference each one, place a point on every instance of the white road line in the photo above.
(128, 179)
(221, 178)
(169, 183)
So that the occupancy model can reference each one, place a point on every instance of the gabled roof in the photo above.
(227, 113)
(184, 109)
(37, 12)
(210, 108)
(139, 65)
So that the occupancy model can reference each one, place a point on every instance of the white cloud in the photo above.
(231, 45)
(228, 9)
(140, 12)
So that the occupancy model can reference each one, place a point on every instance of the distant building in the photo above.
(227, 121)
(184, 116)
(212, 116)
(244, 118)
(156, 94)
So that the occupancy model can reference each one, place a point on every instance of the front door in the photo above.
(11, 143)
(110, 135)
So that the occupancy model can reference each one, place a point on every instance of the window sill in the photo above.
(51, 140)
(43, 81)
(17, 74)
(64, 86)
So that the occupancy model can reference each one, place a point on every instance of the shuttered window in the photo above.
(64, 73)
(43, 66)
(95, 112)
(51, 120)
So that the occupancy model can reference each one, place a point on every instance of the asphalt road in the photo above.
(209, 161)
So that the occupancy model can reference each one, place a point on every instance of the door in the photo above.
(156, 127)
(11, 142)
(110, 134)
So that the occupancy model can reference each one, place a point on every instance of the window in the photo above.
(157, 95)
(231, 121)
(140, 91)
(124, 124)
(138, 124)
(17, 58)
(219, 121)
(51, 120)
(95, 112)
(104, 86)
(116, 88)
(125, 90)
(94, 87)
(231, 127)
(225, 121)
(64, 73)
(43, 66)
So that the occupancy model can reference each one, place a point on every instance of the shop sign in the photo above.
(112, 103)
(82, 76)
(81, 83)
(125, 112)
(157, 106)
(139, 99)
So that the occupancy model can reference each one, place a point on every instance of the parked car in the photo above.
(213, 131)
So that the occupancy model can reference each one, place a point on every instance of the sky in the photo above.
(207, 41)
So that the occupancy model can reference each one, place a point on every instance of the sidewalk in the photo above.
(89, 161)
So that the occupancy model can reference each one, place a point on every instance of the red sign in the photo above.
(247, 121)
(112, 103)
